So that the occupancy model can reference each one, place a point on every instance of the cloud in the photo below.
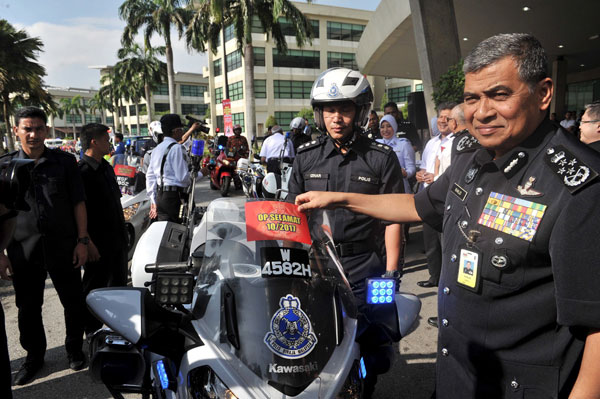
(70, 48)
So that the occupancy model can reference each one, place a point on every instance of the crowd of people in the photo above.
(505, 194)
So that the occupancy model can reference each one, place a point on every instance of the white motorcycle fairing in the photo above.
(120, 309)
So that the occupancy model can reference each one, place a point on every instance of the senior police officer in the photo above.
(523, 210)
(345, 160)
(51, 239)
(168, 176)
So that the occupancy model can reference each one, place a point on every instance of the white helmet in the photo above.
(297, 123)
(341, 84)
(243, 163)
(155, 130)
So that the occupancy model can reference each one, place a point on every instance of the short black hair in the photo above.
(30, 112)
(91, 131)
(445, 105)
(391, 104)
(119, 136)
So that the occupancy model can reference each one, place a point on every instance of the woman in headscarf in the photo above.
(401, 146)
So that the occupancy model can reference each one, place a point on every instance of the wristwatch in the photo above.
(83, 240)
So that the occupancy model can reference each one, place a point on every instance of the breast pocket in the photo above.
(315, 181)
(505, 261)
(365, 184)
(56, 187)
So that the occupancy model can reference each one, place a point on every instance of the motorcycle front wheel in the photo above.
(225, 183)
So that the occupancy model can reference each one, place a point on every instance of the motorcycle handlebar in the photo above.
(167, 267)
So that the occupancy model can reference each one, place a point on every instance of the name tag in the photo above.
(308, 176)
(365, 179)
(459, 192)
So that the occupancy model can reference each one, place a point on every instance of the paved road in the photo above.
(411, 377)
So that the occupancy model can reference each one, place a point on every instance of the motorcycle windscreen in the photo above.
(277, 306)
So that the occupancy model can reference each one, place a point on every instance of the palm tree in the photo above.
(210, 16)
(156, 16)
(143, 65)
(71, 106)
(110, 88)
(131, 85)
(20, 74)
(101, 102)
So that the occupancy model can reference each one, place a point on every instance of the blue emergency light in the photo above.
(380, 291)
(362, 372)
(162, 374)
(198, 148)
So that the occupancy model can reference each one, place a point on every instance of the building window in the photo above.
(220, 123)
(419, 87)
(217, 69)
(346, 32)
(91, 118)
(260, 88)
(143, 110)
(297, 59)
(73, 118)
(132, 110)
(399, 94)
(344, 60)
(218, 95)
(110, 120)
(292, 88)
(229, 33)
(192, 90)
(123, 111)
(259, 56)
(236, 91)
(143, 130)
(288, 29)
(161, 89)
(161, 107)
(238, 119)
(257, 25)
(284, 118)
(579, 94)
(234, 60)
(194, 109)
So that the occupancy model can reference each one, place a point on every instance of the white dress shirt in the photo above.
(175, 172)
(444, 154)
(272, 146)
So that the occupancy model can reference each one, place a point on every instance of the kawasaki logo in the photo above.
(306, 368)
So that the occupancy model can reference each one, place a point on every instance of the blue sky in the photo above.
(82, 33)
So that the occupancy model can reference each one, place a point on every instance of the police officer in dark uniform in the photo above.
(345, 160)
(49, 239)
(523, 209)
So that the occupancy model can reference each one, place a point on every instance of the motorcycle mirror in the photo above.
(121, 309)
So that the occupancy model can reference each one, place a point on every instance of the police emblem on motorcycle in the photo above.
(291, 335)
(333, 91)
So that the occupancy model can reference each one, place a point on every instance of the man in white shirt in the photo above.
(272, 150)
(431, 237)
(168, 176)
(456, 124)
(569, 122)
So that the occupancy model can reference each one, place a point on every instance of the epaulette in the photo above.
(465, 142)
(571, 171)
(310, 145)
(386, 149)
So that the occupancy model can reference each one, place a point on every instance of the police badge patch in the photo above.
(291, 335)
(333, 91)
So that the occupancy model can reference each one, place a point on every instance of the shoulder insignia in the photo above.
(573, 173)
(310, 145)
(466, 143)
(380, 147)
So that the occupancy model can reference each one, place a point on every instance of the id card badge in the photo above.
(469, 268)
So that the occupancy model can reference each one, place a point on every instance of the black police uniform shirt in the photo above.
(368, 167)
(517, 327)
(106, 224)
(55, 189)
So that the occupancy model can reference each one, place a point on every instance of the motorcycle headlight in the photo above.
(203, 383)
(130, 211)
(225, 162)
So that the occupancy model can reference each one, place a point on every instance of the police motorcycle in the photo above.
(251, 175)
(249, 303)
(275, 185)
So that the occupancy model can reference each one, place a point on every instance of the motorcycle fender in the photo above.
(408, 307)
(225, 173)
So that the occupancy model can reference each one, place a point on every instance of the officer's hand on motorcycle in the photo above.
(5, 267)
(153, 211)
(80, 254)
(93, 253)
(318, 200)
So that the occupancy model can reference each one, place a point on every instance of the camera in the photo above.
(203, 128)
(15, 177)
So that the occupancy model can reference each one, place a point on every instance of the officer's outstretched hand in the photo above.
(319, 200)
(80, 254)
(5, 267)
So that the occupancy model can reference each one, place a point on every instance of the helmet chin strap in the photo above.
(345, 143)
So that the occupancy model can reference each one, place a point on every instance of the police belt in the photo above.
(173, 188)
(353, 248)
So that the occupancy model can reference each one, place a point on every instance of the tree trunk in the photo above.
(9, 137)
(123, 125)
(170, 71)
(249, 95)
(116, 113)
(53, 129)
(137, 117)
(148, 105)
(74, 131)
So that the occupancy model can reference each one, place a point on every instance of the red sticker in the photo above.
(124, 170)
(273, 220)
